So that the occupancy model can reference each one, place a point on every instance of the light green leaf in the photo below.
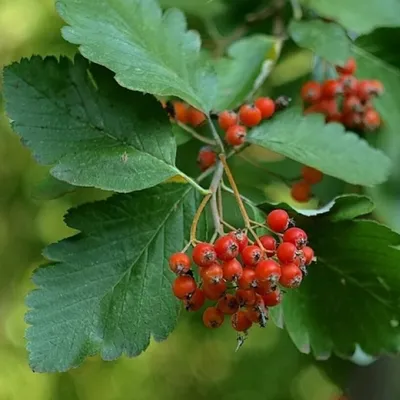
(96, 133)
(250, 62)
(327, 40)
(351, 295)
(149, 51)
(108, 289)
(205, 9)
(361, 16)
(326, 147)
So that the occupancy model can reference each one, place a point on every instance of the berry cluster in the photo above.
(346, 100)
(301, 190)
(185, 114)
(241, 278)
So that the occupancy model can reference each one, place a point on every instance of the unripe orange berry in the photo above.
(311, 175)
(195, 117)
(301, 191)
(181, 112)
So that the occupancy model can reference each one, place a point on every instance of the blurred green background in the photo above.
(193, 363)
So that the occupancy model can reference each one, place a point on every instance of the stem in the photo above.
(297, 12)
(229, 226)
(194, 184)
(220, 205)
(197, 135)
(216, 135)
(197, 216)
(214, 206)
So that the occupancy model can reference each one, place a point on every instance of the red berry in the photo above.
(301, 191)
(245, 297)
(371, 120)
(181, 112)
(195, 117)
(232, 269)
(228, 304)
(226, 248)
(179, 263)
(236, 135)
(349, 84)
(204, 254)
(212, 275)
(257, 312)
(184, 286)
(278, 220)
(364, 90)
(248, 279)
(266, 106)
(226, 119)
(250, 115)
(264, 287)
(269, 244)
(196, 301)
(311, 92)
(331, 88)
(286, 252)
(214, 292)
(251, 255)
(273, 298)
(240, 322)
(348, 68)
(212, 317)
(334, 118)
(311, 175)
(241, 238)
(352, 120)
(308, 254)
(206, 158)
(291, 276)
(268, 271)
(296, 236)
(328, 107)
(376, 87)
(352, 104)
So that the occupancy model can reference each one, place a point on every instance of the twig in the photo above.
(220, 203)
(214, 207)
(216, 135)
(197, 135)
(197, 216)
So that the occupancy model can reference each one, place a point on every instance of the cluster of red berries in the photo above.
(184, 113)
(346, 100)
(301, 190)
(243, 279)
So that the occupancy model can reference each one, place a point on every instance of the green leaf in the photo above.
(358, 15)
(249, 62)
(204, 9)
(108, 289)
(327, 147)
(96, 133)
(51, 188)
(327, 40)
(149, 51)
(351, 296)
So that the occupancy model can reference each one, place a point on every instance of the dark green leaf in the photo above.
(327, 40)
(108, 289)
(96, 133)
(358, 15)
(149, 51)
(351, 296)
(327, 147)
(249, 63)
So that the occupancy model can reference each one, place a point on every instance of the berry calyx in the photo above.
(250, 115)
(301, 191)
(196, 301)
(278, 220)
(291, 276)
(240, 322)
(212, 274)
(232, 270)
(195, 117)
(311, 175)
(266, 107)
(206, 158)
(311, 92)
(348, 68)
(349, 84)
(296, 236)
(272, 298)
(179, 263)
(228, 304)
(269, 244)
(286, 252)
(248, 279)
(268, 271)
(251, 255)
(226, 248)
(226, 119)
(213, 318)
(183, 287)
(241, 238)
(257, 312)
(352, 104)
(204, 254)
(236, 135)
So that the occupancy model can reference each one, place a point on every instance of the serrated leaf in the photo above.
(108, 289)
(249, 63)
(327, 40)
(326, 147)
(358, 15)
(351, 296)
(76, 117)
(149, 51)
